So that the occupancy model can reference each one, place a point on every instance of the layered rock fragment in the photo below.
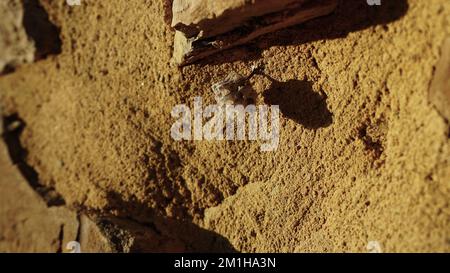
(205, 27)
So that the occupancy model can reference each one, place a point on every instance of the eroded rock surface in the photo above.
(15, 46)
(363, 156)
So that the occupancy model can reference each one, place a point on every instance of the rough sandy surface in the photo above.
(363, 155)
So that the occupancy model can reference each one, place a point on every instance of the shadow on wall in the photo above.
(300, 103)
(154, 232)
(163, 235)
(350, 16)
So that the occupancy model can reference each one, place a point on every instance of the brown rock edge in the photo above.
(198, 34)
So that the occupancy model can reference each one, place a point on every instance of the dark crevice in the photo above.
(39, 28)
(60, 239)
(78, 236)
(8, 69)
(167, 4)
(371, 143)
(13, 127)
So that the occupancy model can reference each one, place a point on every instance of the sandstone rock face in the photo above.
(362, 156)
(16, 47)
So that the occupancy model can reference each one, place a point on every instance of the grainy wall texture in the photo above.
(363, 154)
